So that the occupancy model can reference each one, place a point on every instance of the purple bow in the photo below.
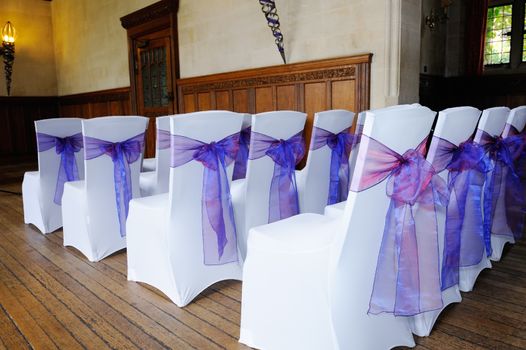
(66, 147)
(122, 154)
(407, 275)
(341, 145)
(219, 231)
(503, 176)
(283, 194)
(163, 139)
(240, 166)
(464, 241)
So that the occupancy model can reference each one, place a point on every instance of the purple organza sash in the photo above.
(503, 176)
(406, 282)
(464, 241)
(163, 139)
(217, 215)
(66, 147)
(283, 194)
(240, 166)
(122, 154)
(340, 145)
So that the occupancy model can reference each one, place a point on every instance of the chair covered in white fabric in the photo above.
(454, 126)
(156, 181)
(42, 189)
(94, 210)
(166, 233)
(517, 120)
(314, 181)
(308, 279)
(251, 196)
(335, 210)
(240, 166)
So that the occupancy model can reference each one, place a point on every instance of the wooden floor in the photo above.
(52, 297)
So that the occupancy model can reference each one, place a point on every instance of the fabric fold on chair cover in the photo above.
(217, 215)
(240, 167)
(122, 154)
(286, 154)
(66, 147)
(464, 241)
(406, 281)
(503, 176)
(163, 139)
(341, 145)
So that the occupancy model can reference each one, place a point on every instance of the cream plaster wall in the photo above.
(220, 36)
(91, 47)
(34, 67)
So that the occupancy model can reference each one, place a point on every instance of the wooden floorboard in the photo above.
(52, 297)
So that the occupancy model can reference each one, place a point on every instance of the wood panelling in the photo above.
(308, 87)
(17, 127)
(481, 92)
(96, 104)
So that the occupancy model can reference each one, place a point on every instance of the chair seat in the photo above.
(158, 201)
(147, 183)
(76, 186)
(300, 233)
(335, 210)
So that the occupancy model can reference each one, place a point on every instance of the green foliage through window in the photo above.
(498, 35)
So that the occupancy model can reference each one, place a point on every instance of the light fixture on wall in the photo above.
(436, 17)
(7, 50)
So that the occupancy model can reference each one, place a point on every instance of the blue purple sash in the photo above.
(240, 166)
(283, 194)
(163, 139)
(66, 147)
(122, 154)
(464, 242)
(406, 281)
(217, 215)
(341, 145)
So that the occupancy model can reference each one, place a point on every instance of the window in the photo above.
(505, 43)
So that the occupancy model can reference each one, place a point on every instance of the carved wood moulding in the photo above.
(149, 13)
(118, 94)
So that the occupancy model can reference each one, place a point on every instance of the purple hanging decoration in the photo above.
(271, 13)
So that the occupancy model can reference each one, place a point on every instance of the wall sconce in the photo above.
(433, 19)
(7, 50)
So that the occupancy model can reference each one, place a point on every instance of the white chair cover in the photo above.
(313, 180)
(307, 280)
(250, 196)
(148, 164)
(156, 181)
(165, 234)
(89, 210)
(455, 125)
(38, 187)
(335, 210)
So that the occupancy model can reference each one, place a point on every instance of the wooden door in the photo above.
(154, 83)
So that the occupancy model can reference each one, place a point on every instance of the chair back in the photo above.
(278, 125)
(100, 182)
(162, 155)
(517, 119)
(362, 226)
(313, 198)
(492, 121)
(186, 186)
(49, 161)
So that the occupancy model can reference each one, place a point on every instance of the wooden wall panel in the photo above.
(308, 87)
(264, 99)
(286, 97)
(17, 128)
(223, 100)
(204, 101)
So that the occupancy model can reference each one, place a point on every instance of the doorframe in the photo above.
(158, 16)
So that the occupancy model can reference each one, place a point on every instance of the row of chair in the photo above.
(298, 273)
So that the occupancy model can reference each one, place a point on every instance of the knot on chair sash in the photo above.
(283, 194)
(240, 166)
(502, 179)
(122, 154)
(66, 147)
(341, 145)
(163, 139)
(217, 215)
(406, 282)
(464, 241)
